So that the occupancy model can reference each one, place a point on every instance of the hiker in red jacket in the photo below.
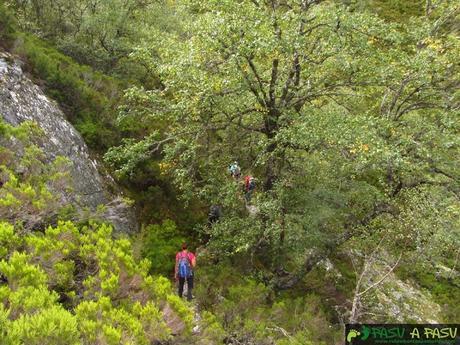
(185, 262)
(249, 186)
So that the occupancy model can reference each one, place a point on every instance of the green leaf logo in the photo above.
(366, 332)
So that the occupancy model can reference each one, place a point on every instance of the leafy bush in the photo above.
(73, 285)
(101, 34)
(7, 26)
(28, 179)
(69, 283)
(53, 326)
(248, 310)
(160, 243)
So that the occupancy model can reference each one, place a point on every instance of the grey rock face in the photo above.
(120, 215)
(22, 100)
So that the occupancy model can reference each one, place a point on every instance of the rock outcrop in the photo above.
(21, 100)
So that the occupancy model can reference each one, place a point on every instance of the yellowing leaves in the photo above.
(372, 40)
(217, 86)
(434, 44)
(359, 148)
(259, 108)
(165, 167)
(319, 102)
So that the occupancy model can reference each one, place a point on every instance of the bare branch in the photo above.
(417, 106)
(398, 94)
(254, 91)
(382, 279)
(293, 78)
(258, 78)
(274, 77)
(407, 98)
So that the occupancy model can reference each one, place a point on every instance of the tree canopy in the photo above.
(347, 121)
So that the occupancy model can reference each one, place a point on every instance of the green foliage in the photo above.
(70, 284)
(101, 34)
(392, 10)
(345, 111)
(52, 326)
(249, 312)
(88, 97)
(111, 295)
(444, 289)
(19, 273)
(28, 179)
(160, 243)
(129, 155)
(150, 185)
(7, 25)
(336, 111)
(213, 332)
(103, 320)
(346, 115)
(8, 240)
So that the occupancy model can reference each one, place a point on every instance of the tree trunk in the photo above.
(428, 8)
(270, 130)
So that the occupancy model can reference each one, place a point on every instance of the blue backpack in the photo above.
(185, 268)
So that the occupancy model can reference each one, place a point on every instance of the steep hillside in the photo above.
(20, 101)
(64, 278)
(307, 151)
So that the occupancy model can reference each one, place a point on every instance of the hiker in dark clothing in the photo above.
(215, 212)
(185, 262)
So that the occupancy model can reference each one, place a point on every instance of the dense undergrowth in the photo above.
(70, 283)
(355, 167)
(73, 283)
(89, 98)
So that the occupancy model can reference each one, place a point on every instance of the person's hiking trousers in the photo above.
(189, 287)
(248, 195)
